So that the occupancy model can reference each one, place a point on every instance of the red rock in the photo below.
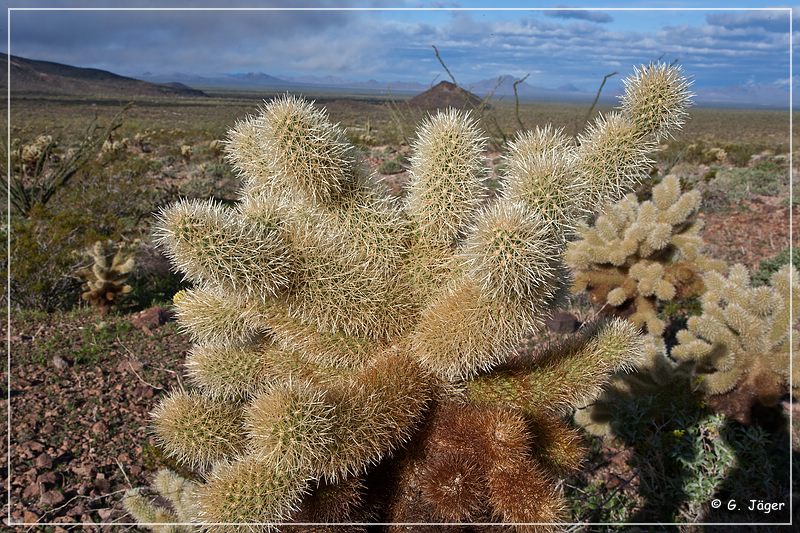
(98, 427)
(29, 517)
(130, 365)
(44, 461)
(105, 514)
(150, 319)
(31, 491)
(561, 322)
(47, 477)
(52, 498)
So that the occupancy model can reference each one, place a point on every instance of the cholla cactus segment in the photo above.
(233, 373)
(249, 494)
(446, 175)
(565, 374)
(197, 430)
(213, 316)
(291, 424)
(656, 98)
(331, 322)
(464, 332)
(741, 340)
(512, 255)
(638, 255)
(105, 278)
(652, 374)
(178, 491)
(211, 245)
(291, 147)
(541, 175)
(150, 515)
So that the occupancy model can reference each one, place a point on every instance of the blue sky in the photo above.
(739, 53)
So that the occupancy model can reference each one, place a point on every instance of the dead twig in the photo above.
(133, 369)
(439, 57)
(516, 101)
(597, 97)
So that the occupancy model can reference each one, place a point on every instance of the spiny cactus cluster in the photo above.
(741, 341)
(105, 279)
(639, 255)
(337, 330)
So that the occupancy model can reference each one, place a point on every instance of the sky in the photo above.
(728, 53)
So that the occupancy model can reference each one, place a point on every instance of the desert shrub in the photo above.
(732, 185)
(391, 166)
(333, 325)
(106, 200)
(767, 267)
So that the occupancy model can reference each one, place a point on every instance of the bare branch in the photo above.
(516, 100)
(439, 57)
(597, 97)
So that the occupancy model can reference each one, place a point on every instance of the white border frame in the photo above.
(9, 10)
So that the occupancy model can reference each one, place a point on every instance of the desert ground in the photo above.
(83, 382)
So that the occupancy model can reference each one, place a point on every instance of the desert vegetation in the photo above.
(355, 310)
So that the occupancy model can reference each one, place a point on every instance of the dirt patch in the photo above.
(755, 230)
(80, 427)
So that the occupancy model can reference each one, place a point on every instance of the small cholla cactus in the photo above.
(31, 154)
(216, 146)
(337, 329)
(741, 341)
(637, 256)
(186, 151)
(111, 146)
(104, 280)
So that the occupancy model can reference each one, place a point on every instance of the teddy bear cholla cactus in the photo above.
(331, 323)
(105, 280)
(638, 255)
(741, 342)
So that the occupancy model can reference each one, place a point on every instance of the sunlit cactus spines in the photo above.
(741, 341)
(335, 327)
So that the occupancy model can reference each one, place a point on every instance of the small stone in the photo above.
(98, 427)
(47, 477)
(31, 491)
(105, 514)
(130, 365)
(59, 362)
(44, 461)
(29, 517)
(52, 498)
(152, 318)
(562, 322)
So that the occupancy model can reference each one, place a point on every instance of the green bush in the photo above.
(391, 166)
(106, 200)
(732, 185)
(769, 266)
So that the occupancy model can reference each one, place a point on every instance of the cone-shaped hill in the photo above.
(445, 94)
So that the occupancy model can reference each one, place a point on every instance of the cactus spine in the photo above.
(344, 317)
